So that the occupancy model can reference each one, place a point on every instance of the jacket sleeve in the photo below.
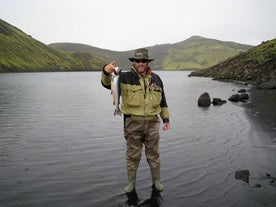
(164, 114)
(106, 79)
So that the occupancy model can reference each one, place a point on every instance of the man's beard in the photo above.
(142, 69)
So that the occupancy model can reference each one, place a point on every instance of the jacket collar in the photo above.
(148, 71)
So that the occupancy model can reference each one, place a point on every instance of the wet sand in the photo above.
(261, 109)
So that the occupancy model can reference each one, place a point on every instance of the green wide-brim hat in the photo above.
(141, 53)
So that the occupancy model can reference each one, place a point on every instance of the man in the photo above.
(143, 101)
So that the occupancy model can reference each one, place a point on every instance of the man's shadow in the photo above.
(153, 201)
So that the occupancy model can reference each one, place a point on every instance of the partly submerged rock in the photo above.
(204, 100)
(234, 98)
(239, 97)
(242, 175)
(242, 90)
(218, 101)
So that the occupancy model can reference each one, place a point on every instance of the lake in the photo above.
(60, 145)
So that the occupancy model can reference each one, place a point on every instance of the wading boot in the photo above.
(155, 174)
(131, 181)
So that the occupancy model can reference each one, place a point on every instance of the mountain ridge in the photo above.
(193, 53)
(19, 52)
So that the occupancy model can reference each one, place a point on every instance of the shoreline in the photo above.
(261, 109)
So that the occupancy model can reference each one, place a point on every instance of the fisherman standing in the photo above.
(143, 102)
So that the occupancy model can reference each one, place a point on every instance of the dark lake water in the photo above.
(60, 145)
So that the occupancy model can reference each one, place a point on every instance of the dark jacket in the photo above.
(141, 95)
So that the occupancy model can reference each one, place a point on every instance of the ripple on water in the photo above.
(60, 145)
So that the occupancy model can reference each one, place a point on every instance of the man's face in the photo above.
(141, 65)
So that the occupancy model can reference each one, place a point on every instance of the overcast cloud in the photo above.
(127, 24)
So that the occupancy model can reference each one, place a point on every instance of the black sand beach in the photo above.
(262, 109)
(262, 117)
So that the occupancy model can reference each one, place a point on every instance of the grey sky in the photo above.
(127, 24)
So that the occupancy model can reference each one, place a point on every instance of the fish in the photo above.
(115, 90)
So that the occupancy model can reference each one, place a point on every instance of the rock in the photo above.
(244, 97)
(239, 97)
(272, 179)
(268, 175)
(218, 101)
(204, 100)
(242, 91)
(234, 98)
(242, 175)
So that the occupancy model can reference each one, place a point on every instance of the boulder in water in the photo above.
(218, 101)
(242, 175)
(204, 100)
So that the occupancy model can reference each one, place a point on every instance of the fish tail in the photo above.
(117, 112)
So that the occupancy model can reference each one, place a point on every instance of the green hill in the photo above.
(121, 58)
(257, 65)
(20, 52)
(193, 53)
(198, 52)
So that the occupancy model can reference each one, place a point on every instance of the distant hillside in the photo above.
(257, 64)
(20, 52)
(121, 58)
(199, 52)
(193, 53)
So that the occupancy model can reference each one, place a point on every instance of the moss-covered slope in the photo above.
(20, 52)
(257, 64)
